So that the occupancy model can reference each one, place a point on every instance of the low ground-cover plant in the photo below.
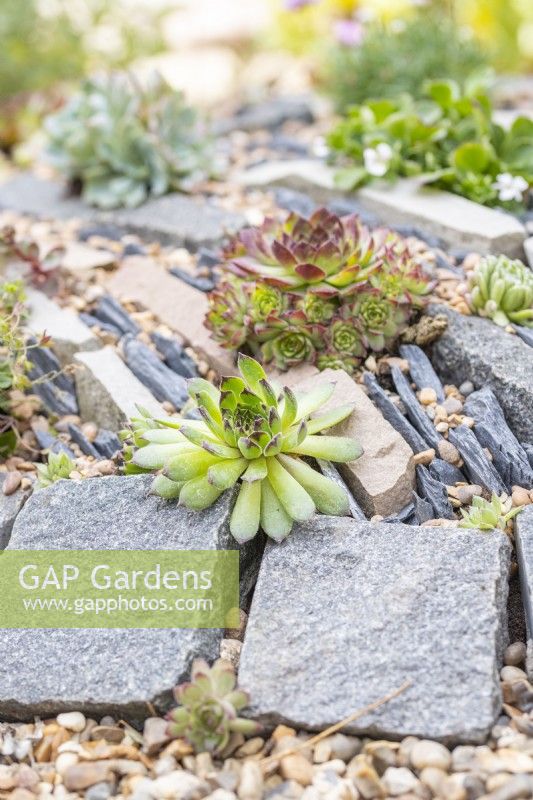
(487, 515)
(125, 142)
(254, 434)
(207, 714)
(324, 290)
(449, 138)
(502, 290)
(383, 59)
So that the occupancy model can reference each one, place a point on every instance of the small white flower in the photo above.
(377, 159)
(510, 187)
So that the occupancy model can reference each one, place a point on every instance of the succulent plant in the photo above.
(207, 715)
(13, 248)
(291, 290)
(502, 289)
(486, 515)
(125, 143)
(254, 433)
(58, 467)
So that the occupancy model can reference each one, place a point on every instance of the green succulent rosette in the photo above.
(487, 515)
(207, 714)
(253, 435)
(502, 289)
(382, 320)
(266, 301)
(228, 317)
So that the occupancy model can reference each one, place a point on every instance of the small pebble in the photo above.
(427, 396)
(425, 457)
(426, 753)
(442, 427)
(515, 654)
(448, 452)
(72, 721)
(11, 482)
(452, 405)
(467, 493)
(520, 496)
(466, 388)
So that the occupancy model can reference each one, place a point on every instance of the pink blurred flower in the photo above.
(348, 32)
(293, 5)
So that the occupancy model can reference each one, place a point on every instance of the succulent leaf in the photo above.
(271, 429)
(502, 289)
(487, 515)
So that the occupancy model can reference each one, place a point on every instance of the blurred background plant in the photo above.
(48, 43)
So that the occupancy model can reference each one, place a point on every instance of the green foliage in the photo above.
(58, 467)
(486, 516)
(143, 141)
(449, 138)
(323, 290)
(393, 59)
(40, 49)
(250, 430)
(502, 290)
(207, 715)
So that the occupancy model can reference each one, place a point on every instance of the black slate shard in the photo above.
(477, 466)
(491, 430)
(414, 410)
(48, 442)
(175, 356)
(331, 472)
(393, 415)
(107, 443)
(526, 334)
(86, 447)
(207, 258)
(197, 281)
(94, 322)
(104, 231)
(44, 362)
(423, 509)
(528, 449)
(110, 311)
(445, 473)
(434, 493)
(292, 200)
(58, 393)
(421, 370)
(405, 515)
(133, 249)
(164, 383)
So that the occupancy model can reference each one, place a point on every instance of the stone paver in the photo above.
(383, 478)
(178, 305)
(175, 219)
(108, 392)
(350, 610)
(69, 334)
(457, 221)
(524, 552)
(477, 350)
(10, 506)
(43, 672)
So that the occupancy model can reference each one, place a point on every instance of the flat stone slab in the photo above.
(455, 220)
(69, 334)
(344, 612)
(175, 219)
(524, 553)
(174, 302)
(383, 478)
(475, 349)
(108, 391)
(10, 505)
(118, 672)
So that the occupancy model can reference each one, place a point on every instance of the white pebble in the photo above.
(399, 780)
(72, 721)
(430, 754)
(64, 761)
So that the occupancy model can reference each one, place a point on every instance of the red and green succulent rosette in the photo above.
(324, 290)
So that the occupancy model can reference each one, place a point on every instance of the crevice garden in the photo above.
(294, 322)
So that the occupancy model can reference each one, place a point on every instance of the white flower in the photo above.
(510, 187)
(377, 159)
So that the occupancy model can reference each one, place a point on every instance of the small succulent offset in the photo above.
(486, 516)
(251, 432)
(502, 289)
(208, 706)
(323, 290)
(449, 138)
(27, 251)
(58, 467)
(125, 142)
